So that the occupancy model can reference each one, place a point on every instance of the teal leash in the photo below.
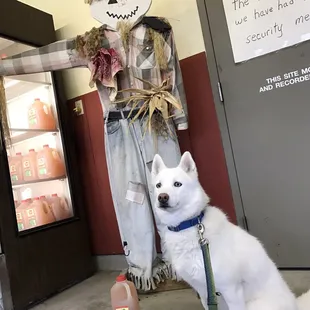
(204, 244)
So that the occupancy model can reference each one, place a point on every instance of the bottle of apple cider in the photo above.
(40, 116)
(124, 295)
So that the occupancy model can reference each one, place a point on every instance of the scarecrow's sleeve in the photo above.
(56, 56)
(174, 72)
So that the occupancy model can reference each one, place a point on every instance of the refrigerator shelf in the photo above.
(38, 78)
(62, 178)
(18, 87)
(21, 135)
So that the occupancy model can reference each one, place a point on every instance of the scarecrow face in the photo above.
(110, 12)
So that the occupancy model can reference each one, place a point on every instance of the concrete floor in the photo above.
(93, 294)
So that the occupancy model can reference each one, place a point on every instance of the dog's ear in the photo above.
(158, 165)
(187, 164)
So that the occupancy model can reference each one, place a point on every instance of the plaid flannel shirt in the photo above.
(138, 61)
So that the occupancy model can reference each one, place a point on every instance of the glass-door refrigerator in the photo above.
(35, 153)
(43, 227)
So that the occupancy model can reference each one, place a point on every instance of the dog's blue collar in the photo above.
(188, 224)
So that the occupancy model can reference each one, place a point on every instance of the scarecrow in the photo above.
(134, 64)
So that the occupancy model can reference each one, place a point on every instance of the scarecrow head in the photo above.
(110, 12)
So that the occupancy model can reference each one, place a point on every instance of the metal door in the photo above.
(266, 137)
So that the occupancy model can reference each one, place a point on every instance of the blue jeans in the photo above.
(129, 158)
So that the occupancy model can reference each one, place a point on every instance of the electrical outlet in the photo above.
(79, 109)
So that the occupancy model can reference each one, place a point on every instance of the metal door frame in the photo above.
(219, 102)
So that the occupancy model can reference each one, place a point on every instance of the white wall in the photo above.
(72, 17)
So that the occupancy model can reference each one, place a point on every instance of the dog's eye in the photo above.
(177, 184)
(158, 185)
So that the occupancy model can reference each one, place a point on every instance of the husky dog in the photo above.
(244, 274)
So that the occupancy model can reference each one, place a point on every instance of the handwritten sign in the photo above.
(285, 80)
(259, 27)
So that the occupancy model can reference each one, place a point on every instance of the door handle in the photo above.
(219, 88)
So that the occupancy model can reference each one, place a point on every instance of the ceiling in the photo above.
(63, 11)
(4, 43)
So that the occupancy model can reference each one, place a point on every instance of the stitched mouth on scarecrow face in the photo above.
(123, 16)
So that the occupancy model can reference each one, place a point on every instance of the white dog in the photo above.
(244, 274)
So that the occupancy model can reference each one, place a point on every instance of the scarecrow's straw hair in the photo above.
(124, 29)
(159, 48)
(90, 43)
(89, 1)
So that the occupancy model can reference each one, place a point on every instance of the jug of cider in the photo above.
(43, 198)
(124, 295)
(20, 214)
(38, 214)
(16, 170)
(47, 200)
(60, 207)
(49, 164)
(40, 116)
(30, 172)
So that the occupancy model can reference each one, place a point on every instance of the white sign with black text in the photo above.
(259, 27)
(284, 80)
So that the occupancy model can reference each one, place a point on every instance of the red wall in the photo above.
(203, 140)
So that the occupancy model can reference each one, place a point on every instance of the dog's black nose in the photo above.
(163, 198)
